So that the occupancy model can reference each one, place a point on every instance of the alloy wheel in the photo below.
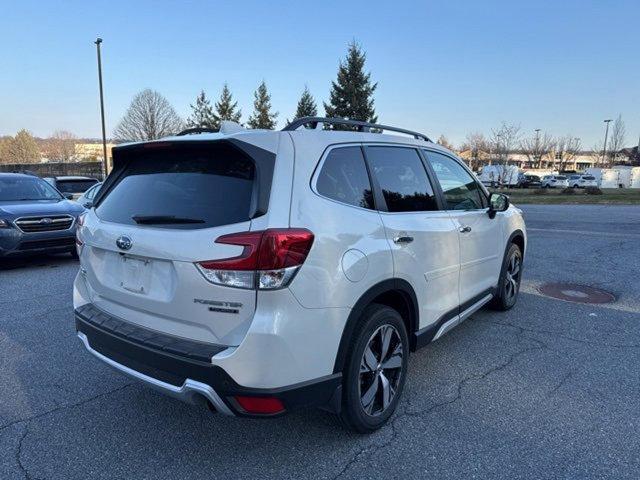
(380, 370)
(512, 277)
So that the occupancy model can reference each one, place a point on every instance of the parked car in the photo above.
(72, 185)
(529, 181)
(263, 271)
(555, 181)
(86, 199)
(582, 181)
(35, 217)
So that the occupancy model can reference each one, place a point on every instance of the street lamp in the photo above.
(606, 133)
(537, 155)
(104, 135)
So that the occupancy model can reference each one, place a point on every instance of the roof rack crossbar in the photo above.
(361, 126)
(194, 130)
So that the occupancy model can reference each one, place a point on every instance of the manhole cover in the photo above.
(575, 293)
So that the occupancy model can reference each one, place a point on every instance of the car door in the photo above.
(479, 235)
(423, 238)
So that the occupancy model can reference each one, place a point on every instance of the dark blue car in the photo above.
(35, 217)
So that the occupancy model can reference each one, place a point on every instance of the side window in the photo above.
(91, 192)
(461, 191)
(402, 178)
(344, 178)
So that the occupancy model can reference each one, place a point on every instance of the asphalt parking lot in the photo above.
(549, 389)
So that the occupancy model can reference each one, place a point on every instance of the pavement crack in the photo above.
(64, 407)
(372, 449)
(560, 335)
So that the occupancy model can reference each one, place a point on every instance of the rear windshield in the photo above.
(75, 186)
(560, 177)
(185, 189)
(588, 177)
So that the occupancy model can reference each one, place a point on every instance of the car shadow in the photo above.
(37, 261)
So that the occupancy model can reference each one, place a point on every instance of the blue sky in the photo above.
(442, 67)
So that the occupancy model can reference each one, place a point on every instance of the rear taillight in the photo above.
(269, 261)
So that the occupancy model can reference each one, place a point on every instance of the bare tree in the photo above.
(504, 140)
(149, 117)
(566, 150)
(442, 140)
(616, 141)
(61, 146)
(537, 147)
(478, 146)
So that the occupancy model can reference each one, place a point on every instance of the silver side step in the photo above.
(190, 391)
(458, 319)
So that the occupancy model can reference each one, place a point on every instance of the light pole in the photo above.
(606, 134)
(537, 147)
(104, 135)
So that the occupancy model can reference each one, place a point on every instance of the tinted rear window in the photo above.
(344, 178)
(75, 186)
(560, 177)
(402, 178)
(589, 178)
(199, 188)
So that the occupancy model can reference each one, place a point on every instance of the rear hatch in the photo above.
(159, 213)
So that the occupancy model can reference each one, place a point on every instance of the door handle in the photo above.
(404, 239)
(466, 229)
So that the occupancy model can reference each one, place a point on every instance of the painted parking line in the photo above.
(585, 232)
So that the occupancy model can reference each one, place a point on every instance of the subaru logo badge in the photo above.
(46, 221)
(124, 242)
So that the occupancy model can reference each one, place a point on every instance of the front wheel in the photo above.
(376, 369)
(510, 276)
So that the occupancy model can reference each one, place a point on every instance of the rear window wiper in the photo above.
(163, 219)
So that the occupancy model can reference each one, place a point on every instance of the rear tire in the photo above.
(509, 283)
(376, 369)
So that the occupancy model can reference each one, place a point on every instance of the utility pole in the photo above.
(606, 134)
(537, 155)
(104, 135)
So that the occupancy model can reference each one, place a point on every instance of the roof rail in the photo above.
(194, 130)
(361, 126)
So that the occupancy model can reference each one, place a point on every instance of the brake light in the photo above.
(270, 259)
(260, 405)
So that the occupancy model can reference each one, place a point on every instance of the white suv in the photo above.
(262, 271)
(582, 181)
(554, 181)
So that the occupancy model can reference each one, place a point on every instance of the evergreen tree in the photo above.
(202, 115)
(262, 116)
(22, 148)
(306, 105)
(226, 108)
(351, 94)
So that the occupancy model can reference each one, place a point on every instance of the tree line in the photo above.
(541, 148)
(150, 116)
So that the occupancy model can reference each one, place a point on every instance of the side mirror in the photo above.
(68, 196)
(87, 205)
(498, 202)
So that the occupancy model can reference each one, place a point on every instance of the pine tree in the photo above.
(202, 115)
(306, 105)
(23, 148)
(351, 94)
(262, 116)
(226, 108)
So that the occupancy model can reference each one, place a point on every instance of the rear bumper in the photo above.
(193, 380)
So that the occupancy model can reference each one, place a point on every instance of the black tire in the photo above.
(376, 323)
(509, 283)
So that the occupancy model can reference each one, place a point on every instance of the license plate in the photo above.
(134, 274)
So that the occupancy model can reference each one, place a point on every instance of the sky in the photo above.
(442, 67)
